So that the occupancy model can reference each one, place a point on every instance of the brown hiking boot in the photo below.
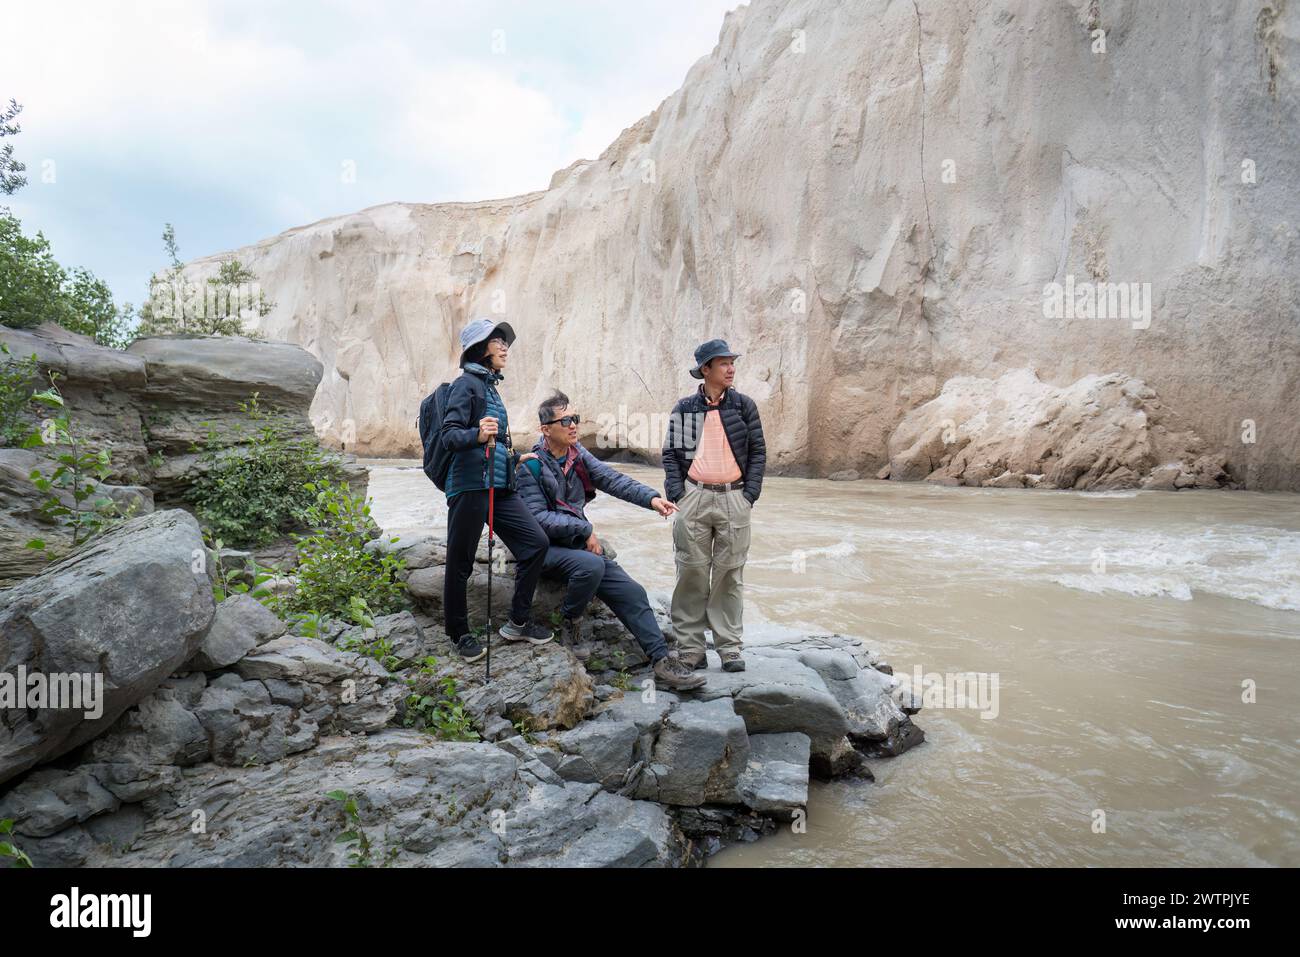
(695, 660)
(731, 661)
(675, 675)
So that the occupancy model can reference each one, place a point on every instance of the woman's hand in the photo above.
(487, 428)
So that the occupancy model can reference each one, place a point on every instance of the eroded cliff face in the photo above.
(867, 199)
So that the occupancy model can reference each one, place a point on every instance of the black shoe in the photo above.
(469, 649)
(529, 632)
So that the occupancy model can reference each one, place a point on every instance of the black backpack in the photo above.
(437, 458)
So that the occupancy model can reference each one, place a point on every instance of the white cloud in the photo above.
(252, 107)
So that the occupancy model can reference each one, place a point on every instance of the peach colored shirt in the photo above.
(714, 462)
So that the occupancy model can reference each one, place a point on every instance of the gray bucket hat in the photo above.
(481, 330)
(711, 350)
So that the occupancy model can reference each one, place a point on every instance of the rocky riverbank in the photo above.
(223, 735)
(228, 735)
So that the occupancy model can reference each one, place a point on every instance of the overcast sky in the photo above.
(232, 119)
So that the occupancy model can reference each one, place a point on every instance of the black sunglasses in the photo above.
(566, 421)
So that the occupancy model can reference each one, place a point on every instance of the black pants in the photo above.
(515, 525)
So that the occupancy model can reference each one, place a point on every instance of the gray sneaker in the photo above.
(529, 632)
(674, 674)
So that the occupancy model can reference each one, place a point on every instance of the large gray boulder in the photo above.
(21, 519)
(597, 752)
(166, 393)
(698, 756)
(419, 801)
(226, 369)
(241, 624)
(775, 779)
(777, 693)
(129, 608)
(541, 687)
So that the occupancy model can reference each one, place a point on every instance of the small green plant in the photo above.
(225, 583)
(381, 649)
(440, 713)
(77, 475)
(623, 680)
(306, 624)
(250, 496)
(16, 377)
(359, 612)
(524, 726)
(10, 850)
(335, 569)
(359, 847)
(595, 663)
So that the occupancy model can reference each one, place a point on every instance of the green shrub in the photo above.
(254, 495)
(335, 569)
(16, 377)
(34, 288)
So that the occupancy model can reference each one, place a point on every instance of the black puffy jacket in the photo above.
(744, 434)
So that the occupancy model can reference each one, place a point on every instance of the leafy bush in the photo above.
(217, 307)
(34, 288)
(16, 377)
(250, 497)
(334, 568)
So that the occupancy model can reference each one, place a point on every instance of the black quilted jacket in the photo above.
(744, 434)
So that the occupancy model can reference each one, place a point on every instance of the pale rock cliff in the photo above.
(867, 199)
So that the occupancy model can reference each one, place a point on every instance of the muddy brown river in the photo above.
(1144, 644)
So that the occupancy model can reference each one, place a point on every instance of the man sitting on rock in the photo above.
(556, 486)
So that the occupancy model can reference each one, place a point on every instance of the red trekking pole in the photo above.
(491, 484)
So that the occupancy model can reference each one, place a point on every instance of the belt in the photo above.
(713, 487)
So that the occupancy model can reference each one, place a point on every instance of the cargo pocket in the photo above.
(688, 531)
(733, 545)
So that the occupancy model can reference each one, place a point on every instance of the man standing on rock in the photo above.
(474, 413)
(556, 485)
(714, 457)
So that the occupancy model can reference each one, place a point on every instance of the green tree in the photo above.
(217, 307)
(34, 288)
(11, 178)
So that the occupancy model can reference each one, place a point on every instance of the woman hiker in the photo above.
(474, 413)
